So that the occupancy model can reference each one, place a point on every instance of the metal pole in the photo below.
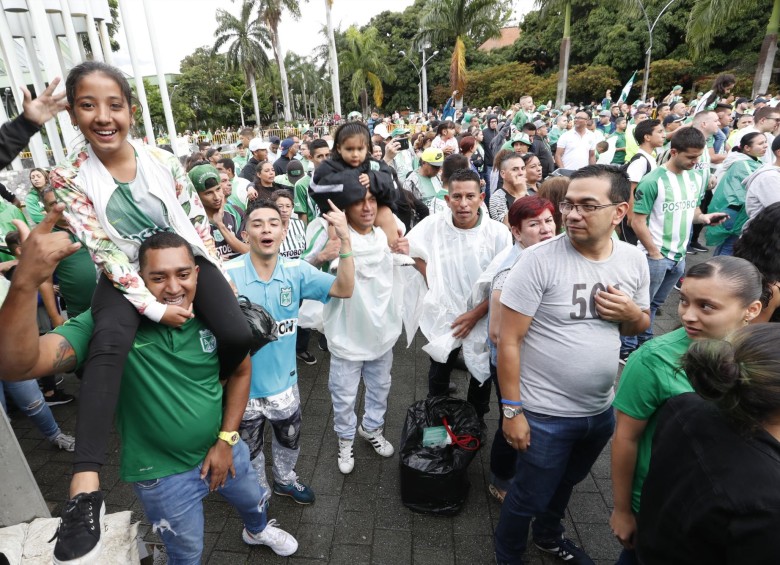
(94, 41)
(70, 33)
(424, 81)
(105, 41)
(42, 31)
(166, 102)
(35, 67)
(139, 79)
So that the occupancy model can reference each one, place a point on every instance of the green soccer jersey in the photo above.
(170, 401)
(77, 277)
(8, 212)
(620, 143)
(669, 201)
(303, 202)
(34, 207)
(651, 377)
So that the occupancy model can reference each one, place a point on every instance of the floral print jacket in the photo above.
(85, 186)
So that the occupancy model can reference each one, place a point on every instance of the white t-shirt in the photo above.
(576, 148)
(639, 167)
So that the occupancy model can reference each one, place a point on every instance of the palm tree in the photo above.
(270, 12)
(709, 16)
(247, 37)
(333, 60)
(364, 60)
(560, 6)
(452, 21)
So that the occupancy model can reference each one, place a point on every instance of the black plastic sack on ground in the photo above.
(434, 480)
(263, 326)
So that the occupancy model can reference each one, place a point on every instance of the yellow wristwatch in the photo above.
(231, 438)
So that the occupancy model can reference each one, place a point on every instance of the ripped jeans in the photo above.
(173, 505)
(29, 398)
(283, 410)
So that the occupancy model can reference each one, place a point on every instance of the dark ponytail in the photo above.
(741, 374)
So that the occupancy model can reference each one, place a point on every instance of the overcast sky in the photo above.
(185, 25)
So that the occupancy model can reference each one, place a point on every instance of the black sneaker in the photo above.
(322, 343)
(624, 356)
(698, 247)
(59, 397)
(565, 550)
(690, 250)
(57, 382)
(80, 530)
(306, 357)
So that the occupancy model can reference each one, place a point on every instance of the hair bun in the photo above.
(712, 368)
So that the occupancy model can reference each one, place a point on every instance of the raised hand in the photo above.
(46, 106)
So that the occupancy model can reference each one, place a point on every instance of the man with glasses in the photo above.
(564, 306)
(577, 147)
(765, 120)
(666, 204)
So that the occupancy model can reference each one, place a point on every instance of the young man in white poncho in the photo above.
(451, 250)
(363, 329)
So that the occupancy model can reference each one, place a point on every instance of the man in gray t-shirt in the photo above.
(564, 306)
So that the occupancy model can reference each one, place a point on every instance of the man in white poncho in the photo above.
(451, 250)
(363, 329)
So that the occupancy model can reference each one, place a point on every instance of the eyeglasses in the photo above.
(566, 207)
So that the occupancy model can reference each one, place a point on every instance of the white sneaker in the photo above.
(277, 539)
(64, 441)
(378, 441)
(346, 457)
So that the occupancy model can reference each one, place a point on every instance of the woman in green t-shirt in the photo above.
(717, 297)
(39, 179)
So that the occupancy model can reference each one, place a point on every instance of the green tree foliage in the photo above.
(363, 62)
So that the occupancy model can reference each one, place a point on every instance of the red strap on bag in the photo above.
(467, 442)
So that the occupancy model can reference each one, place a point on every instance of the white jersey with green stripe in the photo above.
(669, 201)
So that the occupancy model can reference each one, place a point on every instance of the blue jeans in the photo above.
(29, 398)
(664, 273)
(561, 453)
(727, 247)
(173, 505)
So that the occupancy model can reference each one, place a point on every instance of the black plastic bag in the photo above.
(263, 327)
(434, 480)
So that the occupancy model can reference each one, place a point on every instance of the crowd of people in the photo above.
(535, 245)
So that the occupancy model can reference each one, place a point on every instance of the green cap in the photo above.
(541, 108)
(521, 138)
(200, 174)
(677, 87)
(399, 131)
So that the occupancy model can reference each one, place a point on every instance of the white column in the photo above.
(166, 102)
(106, 41)
(70, 33)
(94, 41)
(40, 24)
(35, 68)
(16, 77)
(16, 164)
(124, 7)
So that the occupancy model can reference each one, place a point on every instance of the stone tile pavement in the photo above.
(356, 518)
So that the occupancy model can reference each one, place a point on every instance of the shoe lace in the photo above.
(566, 547)
(345, 451)
(273, 532)
(78, 514)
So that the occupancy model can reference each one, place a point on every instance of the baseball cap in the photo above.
(760, 101)
(741, 100)
(521, 138)
(541, 108)
(677, 87)
(274, 140)
(399, 131)
(294, 171)
(605, 114)
(433, 156)
(672, 118)
(200, 174)
(286, 144)
(257, 143)
(540, 124)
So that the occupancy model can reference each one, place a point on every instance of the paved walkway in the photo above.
(356, 518)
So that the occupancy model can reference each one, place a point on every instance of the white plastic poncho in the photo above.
(367, 325)
(455, 260)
